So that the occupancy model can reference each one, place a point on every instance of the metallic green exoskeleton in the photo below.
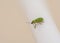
(37, 21)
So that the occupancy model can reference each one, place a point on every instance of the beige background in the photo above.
(13, 27)
(55, 9)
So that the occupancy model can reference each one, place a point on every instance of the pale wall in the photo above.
(13, 27)
(55, 9)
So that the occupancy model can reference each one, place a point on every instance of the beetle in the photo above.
(37, 21)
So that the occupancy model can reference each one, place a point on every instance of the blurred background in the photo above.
(55, 9)
(13, 27)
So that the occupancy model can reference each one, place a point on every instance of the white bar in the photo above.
(47, 32)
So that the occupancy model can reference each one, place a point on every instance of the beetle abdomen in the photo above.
(39, 20)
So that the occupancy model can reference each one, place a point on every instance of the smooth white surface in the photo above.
(47, 32)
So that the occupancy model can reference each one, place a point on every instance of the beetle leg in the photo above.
(35, 26)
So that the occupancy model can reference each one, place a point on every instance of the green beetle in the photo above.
(37, 21)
